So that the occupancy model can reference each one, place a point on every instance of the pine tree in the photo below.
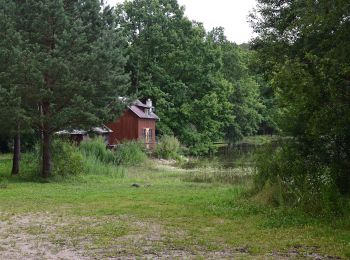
(71, 67)
(12, 114)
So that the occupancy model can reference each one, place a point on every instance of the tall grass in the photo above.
(94, 166)
(225, 176)
(96, 148)
(131, 153)
(98, 160)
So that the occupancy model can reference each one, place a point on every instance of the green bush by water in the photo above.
(168, 147)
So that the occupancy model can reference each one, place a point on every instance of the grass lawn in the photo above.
(168, 216)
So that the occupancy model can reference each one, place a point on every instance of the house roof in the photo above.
(102, 130)
(138, 109)
(98, 130)
(72, 132)
(140, 104)
(141, 114)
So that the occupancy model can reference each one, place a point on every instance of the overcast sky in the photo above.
(230, 14)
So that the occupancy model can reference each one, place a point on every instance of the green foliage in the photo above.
(287, 177)
(168, 147)
(232, 176)
(93, 166)
(128, 153)
(96, 148)
(98, 160)
(64, 62)
(30, 163)
(131, 153)
(67, 159)
(198, 81)
(3, 182)
(307, 60)
(247, 108)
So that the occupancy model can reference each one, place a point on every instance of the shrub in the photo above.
(291, 178)
(97, 149)
(130, 153)
(67, 159)
(168, 147)
(30, 164)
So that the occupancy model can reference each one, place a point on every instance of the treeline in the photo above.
(203, 88)
(64, 63)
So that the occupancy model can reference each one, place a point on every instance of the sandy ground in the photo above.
(39, 236)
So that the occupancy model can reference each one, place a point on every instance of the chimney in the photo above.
(149, 103)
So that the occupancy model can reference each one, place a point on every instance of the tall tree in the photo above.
(12, 114)
(305, 46)
(72, 65)
(247, 106)
(171, 61)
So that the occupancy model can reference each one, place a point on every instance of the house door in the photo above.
(147, 136)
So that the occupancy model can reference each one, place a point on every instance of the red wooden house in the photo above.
(137, 123)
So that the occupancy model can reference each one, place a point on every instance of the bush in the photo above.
(291, 178)
(67, 160)
(131, 153)
(97, 149)
(30, 164)
(168, 148)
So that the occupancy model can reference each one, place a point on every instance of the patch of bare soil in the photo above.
(27, 237)
(302, 252)
(46, 236)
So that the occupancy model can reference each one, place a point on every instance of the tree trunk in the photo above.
(46, 155)
(16, 153)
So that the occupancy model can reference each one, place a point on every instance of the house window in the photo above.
(150, 135)
(144, 133)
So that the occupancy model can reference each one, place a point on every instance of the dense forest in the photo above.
(65, 63)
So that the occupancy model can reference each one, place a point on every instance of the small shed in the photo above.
(138, 122)
(102, 131)
(75, 136)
